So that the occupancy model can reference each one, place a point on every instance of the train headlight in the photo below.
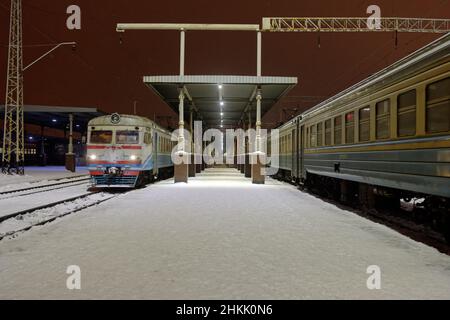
(133, 157)
(92, 157)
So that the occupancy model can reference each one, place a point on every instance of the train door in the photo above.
(301, 151)
(294, 162)
(155, 152)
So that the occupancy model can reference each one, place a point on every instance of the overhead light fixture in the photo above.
(54, 120)
(222, 103)
(221, 114)
(220, 86)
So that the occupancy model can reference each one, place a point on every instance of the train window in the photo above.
(364, 124)
(127, 137)
(328, 132)
(101, 137)
(307, 137)
(319, 134)
(438, 106)
(383, 111)
(281, 145)
(406, 115)
(350, 127)
(289, 146)
(313, 136)
(148, 138)
(338, 130)
(285, 144)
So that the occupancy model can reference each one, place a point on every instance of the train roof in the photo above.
(428, 54)
(125, 120)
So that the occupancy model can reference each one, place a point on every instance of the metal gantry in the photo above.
(334, 24)
(13, 151)
(13, 139)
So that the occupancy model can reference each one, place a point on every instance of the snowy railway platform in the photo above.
(219, 237)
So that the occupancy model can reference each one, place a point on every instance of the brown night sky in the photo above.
(105, 74)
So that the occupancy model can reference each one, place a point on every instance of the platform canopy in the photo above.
(217, 98)
(56, 117)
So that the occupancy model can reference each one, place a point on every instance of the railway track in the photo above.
(44, 188)
(65, 210)
(43, 213)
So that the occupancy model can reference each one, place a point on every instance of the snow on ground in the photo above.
(35, 176)
(16, 204)
(219, 237)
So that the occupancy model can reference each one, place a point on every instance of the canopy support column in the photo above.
(257, 175)
(182, 166)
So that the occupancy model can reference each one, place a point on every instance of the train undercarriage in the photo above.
(117, 178)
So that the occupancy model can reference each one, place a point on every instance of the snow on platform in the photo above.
(37, 175)
(219, 237)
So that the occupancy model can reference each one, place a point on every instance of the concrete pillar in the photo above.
(181, 170)
(242, 155)
(235, 160)
(247, 166)
(258, 120)
(192, 166)
(42, 152)
(182, 51)
(70, 133)
(259, 54)
(70, 156)
(257, 176)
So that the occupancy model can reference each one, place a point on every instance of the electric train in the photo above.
(127, 151)
(385, 138)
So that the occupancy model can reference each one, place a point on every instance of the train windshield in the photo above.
(127, 137)
(101, 137)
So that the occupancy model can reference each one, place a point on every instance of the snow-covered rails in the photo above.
(64, 181)
(24, 220)
(42, 188)
(44, 206)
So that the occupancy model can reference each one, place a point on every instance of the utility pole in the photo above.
(13, 153)
(13, 137)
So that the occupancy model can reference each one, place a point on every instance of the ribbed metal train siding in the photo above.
(425, 171)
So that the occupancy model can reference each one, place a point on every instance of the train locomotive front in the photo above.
(119, 151)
